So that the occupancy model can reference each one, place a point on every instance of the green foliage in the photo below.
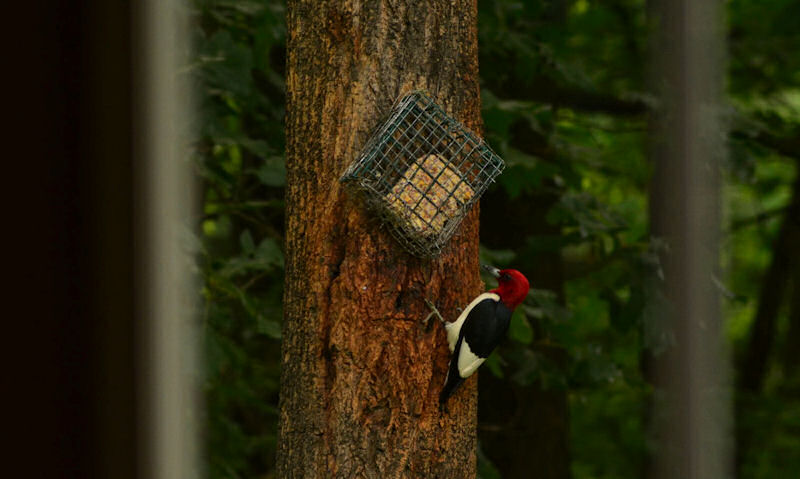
(239, 156)
(558, 82)
(773, 426)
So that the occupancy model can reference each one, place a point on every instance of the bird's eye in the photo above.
(505, 277)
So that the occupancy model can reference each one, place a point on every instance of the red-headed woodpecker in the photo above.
(481, 327)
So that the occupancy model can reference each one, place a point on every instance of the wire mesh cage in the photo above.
(421, 171)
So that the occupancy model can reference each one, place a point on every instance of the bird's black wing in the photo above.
(485, 326)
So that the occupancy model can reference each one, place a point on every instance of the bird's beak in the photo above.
(491, 270)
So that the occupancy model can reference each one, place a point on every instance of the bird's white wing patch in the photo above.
(468, 362)
(454, 328)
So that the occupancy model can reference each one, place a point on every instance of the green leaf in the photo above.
(519, 329)
(269, 253)
(496, 257)
(272, 172)
(587, 213)
(495, 364)
(260, 148)
(226, 67)
(266, 257)
(546, 306)
(246, 240)
(268, 326)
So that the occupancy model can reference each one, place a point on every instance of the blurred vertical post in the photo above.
(168, 362)
(694, 420)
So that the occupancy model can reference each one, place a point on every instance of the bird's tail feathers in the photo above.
(450, 386)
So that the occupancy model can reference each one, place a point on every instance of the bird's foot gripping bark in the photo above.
(434, 312)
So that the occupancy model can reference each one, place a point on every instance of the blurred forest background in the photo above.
(566, 102)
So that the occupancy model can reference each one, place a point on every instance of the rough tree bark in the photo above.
(360, 375)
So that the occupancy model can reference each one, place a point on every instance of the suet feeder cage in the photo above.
(421, 171)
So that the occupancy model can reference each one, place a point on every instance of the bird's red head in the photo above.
(512, 286)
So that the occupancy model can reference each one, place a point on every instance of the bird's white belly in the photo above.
(468, 362)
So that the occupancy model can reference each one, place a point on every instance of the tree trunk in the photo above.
(753, 364)
(360, 375)
(754, 361)
(791, 345)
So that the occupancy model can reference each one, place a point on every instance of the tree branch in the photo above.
(546, 90)
(753, 363)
